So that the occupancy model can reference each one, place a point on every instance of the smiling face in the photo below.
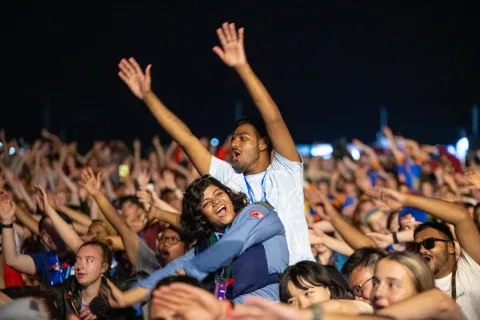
(217, 207)
(246, 147)
(392, 283)
(437, 258)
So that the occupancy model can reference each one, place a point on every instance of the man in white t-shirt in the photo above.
(278, 181)
(434, 242)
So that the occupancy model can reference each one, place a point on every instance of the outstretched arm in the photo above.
(232, 53)
(140, 84)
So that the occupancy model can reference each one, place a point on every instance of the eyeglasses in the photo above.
(358, 289)
(194, 183)
(169, 240)
(427, 244)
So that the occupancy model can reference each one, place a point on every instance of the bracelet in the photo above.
(395, 239)
(317, 312)
(5, 226)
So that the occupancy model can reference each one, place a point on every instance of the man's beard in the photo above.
(248, 158)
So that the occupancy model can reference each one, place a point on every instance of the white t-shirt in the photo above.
(468, 286)
(284, 191)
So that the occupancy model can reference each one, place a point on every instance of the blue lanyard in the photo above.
(217, 235)
(250, 191)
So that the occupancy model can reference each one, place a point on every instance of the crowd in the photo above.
(246, 230)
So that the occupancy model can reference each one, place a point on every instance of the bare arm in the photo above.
(393, 144)
(69, 236)
(467, 233)
(432, 304)
(129, 238)
(133, 76)
(232, 54)
(20, 262)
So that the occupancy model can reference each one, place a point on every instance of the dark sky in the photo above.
(329, 65)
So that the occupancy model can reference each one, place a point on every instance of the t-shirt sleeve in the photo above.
(221, 170)
(467, 262)
(291, 168)
(146, 258)
(41, 263)
(253, 225)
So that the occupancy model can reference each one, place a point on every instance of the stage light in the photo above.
(214, 142)
(11, 151)
(321, 150)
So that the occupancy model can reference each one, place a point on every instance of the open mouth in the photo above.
(222, 211)
(427, 259)
(80, 276)
(164, 253)
(235, 155)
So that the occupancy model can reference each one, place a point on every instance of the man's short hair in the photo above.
(173, 279)
(366, 257)
(260, 128)
(41, 223)
(443, 228)
(133, 199)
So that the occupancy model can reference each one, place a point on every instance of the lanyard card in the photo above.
(221, 289)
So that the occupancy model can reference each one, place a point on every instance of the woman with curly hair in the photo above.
(241, 248)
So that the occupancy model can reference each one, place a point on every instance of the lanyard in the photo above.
(454, 283)
(250, 191)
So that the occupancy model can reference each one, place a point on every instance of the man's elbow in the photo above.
(448, 309)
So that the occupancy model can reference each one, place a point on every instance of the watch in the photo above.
(5, 226)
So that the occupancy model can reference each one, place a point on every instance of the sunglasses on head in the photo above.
(427, 244)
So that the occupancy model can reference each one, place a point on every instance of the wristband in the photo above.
(6, 226)
(395, 239)
(317, 312)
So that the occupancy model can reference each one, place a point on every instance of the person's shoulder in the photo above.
(257, 210)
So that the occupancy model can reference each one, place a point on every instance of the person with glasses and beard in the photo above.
(459, 279)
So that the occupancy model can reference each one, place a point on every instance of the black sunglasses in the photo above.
(427, 244)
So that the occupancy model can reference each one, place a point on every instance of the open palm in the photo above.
(133, 76)
(387, 200)
(232, 51)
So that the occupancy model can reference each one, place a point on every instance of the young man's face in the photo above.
(246, 147)
(134, 215)
(170, 246)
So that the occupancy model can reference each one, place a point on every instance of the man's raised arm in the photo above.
(232, 53)
(140, 85)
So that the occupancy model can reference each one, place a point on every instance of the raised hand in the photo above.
(231, 52)
(156, 141)
(145, 197)
(382, 240)
(7, 207)
(473, 177)
(133, 76)
(90, 182)
(169, 180)
(43, 200)
(142, 179)
(387, 200)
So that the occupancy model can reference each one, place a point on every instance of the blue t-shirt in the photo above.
(50, 269)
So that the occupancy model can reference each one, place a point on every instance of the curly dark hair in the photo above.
(193, 221)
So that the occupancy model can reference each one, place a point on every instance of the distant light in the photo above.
(327, 157)
(321, 150)
(304, 150)
(1, 144)
(451, 149)
(355, 154)
(11, 151)
(462, 148)
(214, 142)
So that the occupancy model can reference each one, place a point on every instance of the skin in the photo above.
(362, 276)
(133, 215)
(441, 258)
(167, 251)
(247, 149)
(97, 230)
(301, 299)
(213, 199)
(392, 283)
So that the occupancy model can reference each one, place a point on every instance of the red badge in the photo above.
(257, 214)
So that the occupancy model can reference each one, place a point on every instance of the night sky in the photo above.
(329, 65)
